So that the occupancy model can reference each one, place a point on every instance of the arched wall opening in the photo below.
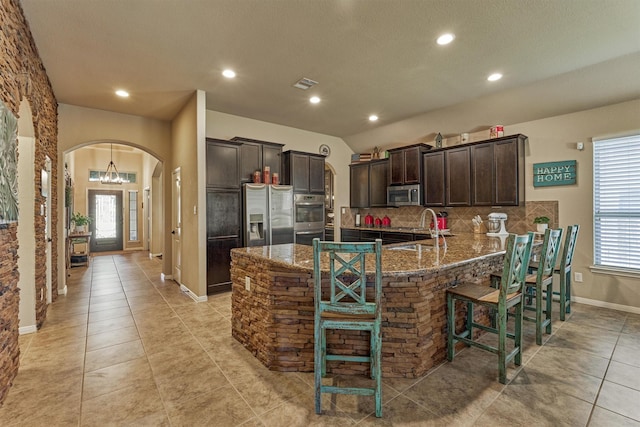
(131, 159)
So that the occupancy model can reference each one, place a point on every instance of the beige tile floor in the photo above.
(124, 347)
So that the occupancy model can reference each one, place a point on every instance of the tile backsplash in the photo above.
(520, 218)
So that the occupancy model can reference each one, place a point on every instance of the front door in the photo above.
(105, 210)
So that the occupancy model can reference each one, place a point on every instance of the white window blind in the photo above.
(616, 187)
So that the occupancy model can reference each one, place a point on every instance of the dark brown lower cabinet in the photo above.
(219, 263)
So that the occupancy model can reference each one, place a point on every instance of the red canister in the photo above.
(386, 221)
(378, 222)
(368, 220)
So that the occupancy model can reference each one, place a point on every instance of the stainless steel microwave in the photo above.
(404, 195)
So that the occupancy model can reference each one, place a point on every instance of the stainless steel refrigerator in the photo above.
(268, 214)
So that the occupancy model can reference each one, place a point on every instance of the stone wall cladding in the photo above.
(18, 60)
(274, 319)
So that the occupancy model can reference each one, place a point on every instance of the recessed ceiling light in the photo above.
(494, 77)
(122, 93)
(229, 73)
(314, 99)
(445, 39)
(373, 118)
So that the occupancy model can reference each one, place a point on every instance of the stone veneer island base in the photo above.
(274, 318)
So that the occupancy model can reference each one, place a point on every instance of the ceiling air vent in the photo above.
(304, 83)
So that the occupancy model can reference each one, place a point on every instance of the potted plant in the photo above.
(80, 221)
(542, 222)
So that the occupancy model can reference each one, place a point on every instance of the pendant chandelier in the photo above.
(111, 176)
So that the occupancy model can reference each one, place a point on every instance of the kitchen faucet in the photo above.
(433, 231)
(423, 217)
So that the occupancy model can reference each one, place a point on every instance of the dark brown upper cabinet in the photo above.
(405, 164)
(497, 172)
(256, 154)
(458, 177)
(368, 184)
(447, 177)
(223, 163)
(303, 171)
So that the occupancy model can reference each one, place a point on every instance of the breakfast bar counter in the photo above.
(272, 302)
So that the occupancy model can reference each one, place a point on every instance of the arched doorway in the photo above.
(141, 200)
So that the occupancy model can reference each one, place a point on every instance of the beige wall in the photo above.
(80, 126)
(554, 139)
(187, 143)
(225, 126)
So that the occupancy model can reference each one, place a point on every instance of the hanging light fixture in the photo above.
(109, 177)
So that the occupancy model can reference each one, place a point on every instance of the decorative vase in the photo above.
(542, 228)
(80, 228)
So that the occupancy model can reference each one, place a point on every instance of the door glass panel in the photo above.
(105, 219)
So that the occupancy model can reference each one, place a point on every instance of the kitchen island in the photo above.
(272, 303)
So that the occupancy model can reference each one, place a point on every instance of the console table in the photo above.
(81, 258)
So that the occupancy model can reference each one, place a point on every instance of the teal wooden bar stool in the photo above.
(536, 286)
(563, 269)
(508, 295)
(345, 305)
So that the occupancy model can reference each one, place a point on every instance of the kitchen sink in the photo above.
(411, 247)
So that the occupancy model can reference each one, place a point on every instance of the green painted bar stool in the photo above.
(564, 269)
(509, 294)
(347, 306)
(540, 284)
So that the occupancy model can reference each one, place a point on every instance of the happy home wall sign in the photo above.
(554, 173)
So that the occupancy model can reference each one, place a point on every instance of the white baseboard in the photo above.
(23, 330)
(154, 255)
(193, 296)
(166, 276)
(604, 304)
(62, 291)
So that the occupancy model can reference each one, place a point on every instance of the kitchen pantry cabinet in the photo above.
(497, 172)
(405, 164)
(255, 155)
(224, 209)
(368, 184)
(303, 171)
(447, 177)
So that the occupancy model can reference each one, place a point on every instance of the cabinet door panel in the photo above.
(378, 179)
(506, 172)
(300, 173)
(272, 157)
(223, 165)
(434, 179)
(316, 174)
(458, 172)
(349, 235)
(359, 186)
(412, 165)
(482, 174)
(219, 263)
(223, 213)
(396, 165)
(250, 161)
(369, 236)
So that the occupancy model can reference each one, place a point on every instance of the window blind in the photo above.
(616, 198)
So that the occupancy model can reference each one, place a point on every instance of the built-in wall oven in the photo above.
(309, 218)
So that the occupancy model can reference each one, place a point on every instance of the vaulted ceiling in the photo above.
(368, 57)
